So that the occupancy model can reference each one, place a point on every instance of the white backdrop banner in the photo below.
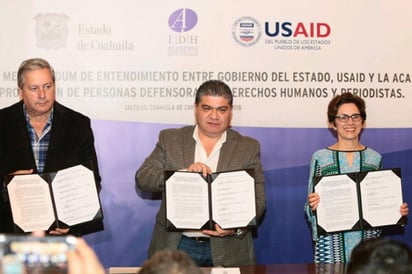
(134, 66)
(125, 61)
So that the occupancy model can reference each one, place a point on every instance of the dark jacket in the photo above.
(71, 143)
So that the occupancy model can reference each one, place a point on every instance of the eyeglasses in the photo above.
(344, 117)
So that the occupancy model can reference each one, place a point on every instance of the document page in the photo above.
(30, 202)
(187, 204)
(381, 198)
(75, 195)
(338, 207)
(233, 199)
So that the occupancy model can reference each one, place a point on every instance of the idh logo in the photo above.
(182, 42)
(182, 20)
(299, 30)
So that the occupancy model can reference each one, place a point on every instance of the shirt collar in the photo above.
(27, 117)
(197, 139)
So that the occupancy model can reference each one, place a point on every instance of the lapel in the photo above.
(226, 151)
(59, 126)
(188, 144)
(21, 135)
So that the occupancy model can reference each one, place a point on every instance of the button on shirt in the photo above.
(39, 144)
(210, 160)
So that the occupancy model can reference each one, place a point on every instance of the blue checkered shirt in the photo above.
(39, 144)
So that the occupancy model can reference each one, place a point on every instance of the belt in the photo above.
(198, 239)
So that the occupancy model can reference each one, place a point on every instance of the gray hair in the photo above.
(30, 65)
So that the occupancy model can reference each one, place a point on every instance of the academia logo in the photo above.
(51, 30)
(246, 31)
(183, 41)
(183, 20)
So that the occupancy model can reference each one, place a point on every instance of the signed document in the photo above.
(45, 201)
(196, 202)
(360, 200)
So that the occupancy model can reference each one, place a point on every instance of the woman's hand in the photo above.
(404, 209)
(313, 200)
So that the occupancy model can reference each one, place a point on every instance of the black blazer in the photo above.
(71, 143)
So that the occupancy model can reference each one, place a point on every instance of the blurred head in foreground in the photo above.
(170, 262)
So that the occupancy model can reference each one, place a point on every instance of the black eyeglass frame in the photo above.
(356, 117)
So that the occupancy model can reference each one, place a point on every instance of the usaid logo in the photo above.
(51, 30)
(300, 29)
(183, 20)
(246, 31)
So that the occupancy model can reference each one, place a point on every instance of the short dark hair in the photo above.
(214, 88)
(170, 262)
(30, 65)
(380, 256)
(345, 98)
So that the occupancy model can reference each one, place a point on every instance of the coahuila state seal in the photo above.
(51, 30)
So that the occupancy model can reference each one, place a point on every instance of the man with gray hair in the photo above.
(39, 135)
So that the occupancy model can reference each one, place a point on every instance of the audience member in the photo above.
(170, 262)
(83, 260)
(380, 256)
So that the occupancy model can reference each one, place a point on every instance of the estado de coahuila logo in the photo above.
(246, 31)
(51, 30)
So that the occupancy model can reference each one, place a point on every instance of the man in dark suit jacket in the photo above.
(210, 146)
(39, 135)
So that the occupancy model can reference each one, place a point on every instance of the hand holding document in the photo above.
(195, 202)
(41, 202)
(357, 201)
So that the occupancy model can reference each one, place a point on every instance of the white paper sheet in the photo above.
(382, 197)
(74, 191)
(338, 207)
(30, 202)
(233, 199)
(187, 200)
